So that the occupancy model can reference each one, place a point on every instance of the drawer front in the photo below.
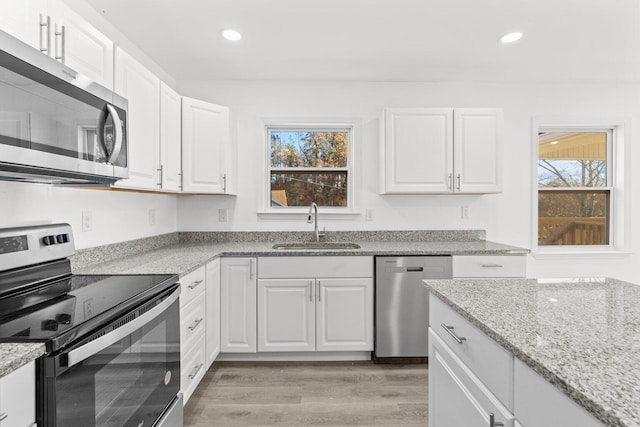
(539, 403)
(192, 321)
(192, 285)
(283, 267)
(193, 368)
(491, 363)
(489, 266)
(18, 397)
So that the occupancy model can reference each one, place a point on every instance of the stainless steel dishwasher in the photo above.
(402, 304)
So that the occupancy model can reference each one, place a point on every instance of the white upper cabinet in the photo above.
(53, 28)
(142, 89)
(205, 147)
(441, 150)
(170, 138)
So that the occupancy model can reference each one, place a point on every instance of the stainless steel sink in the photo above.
(317, 246)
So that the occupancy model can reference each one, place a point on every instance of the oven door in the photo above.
(127, 374)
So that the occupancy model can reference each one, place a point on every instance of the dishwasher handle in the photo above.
(412, 269)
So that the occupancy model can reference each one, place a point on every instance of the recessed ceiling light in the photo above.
(554, 142)
(232, 35)
(511, 37)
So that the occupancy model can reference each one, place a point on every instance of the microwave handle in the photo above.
(117, 128)
(83, 352)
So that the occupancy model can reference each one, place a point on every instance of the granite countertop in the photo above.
(14, 356)
(582, 335)
(182, 258)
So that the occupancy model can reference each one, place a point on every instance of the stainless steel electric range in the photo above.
(113, 341)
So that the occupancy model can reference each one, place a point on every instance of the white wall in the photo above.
(117, 216)
(507, 217)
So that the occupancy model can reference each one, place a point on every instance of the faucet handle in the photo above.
(310, 219)
(323, 235)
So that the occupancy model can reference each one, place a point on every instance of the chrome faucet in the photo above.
(313, 212)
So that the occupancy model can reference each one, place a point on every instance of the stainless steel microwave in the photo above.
(57, 126)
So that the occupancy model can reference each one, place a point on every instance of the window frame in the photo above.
(309, 125)
(616, 178)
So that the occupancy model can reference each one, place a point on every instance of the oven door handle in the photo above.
(81, 353)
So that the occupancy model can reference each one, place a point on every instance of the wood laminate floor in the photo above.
(309, 393)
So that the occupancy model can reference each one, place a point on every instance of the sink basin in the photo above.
(318, 246)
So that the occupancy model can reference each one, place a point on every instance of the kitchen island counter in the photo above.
(581, 335)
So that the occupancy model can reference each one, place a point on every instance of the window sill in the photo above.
(573, 254)
(323, 213)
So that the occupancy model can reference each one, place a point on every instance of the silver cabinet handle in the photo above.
(195, 284)
(224, 183)
(450, 182)
(319, 292)
(458, 187)
(4, 416)
(193, 373)
(61, 33)
(195, 324)
(491, 266)
(160, 173)
(181, 175)
(493, 422)
(251, 269)
(45, 24)
(310, 290)
(449, 329)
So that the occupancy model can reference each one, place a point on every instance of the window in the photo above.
(309, 164)
(575, 187)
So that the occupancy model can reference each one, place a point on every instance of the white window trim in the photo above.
(350, 211)
(620, 195)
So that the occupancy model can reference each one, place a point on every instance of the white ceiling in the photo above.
(386, 40)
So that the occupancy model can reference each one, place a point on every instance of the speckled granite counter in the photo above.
(183, 258)
(582, 335)
(13, 356)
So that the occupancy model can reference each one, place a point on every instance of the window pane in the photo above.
(302, 188)
(573, 217)
(327, 148)
(572, 159)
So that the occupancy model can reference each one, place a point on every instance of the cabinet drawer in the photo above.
(489, 266)
(193, 369)
(192, 285)
(539, 403)
(192, 321)
(486, 358)
(18, 397)
(283, 267)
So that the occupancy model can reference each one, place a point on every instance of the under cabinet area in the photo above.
(315, 304)
(442, 150)
(18, 397)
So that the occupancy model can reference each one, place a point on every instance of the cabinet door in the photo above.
(142, 89)
(213, 310)
(344, 318)
(478, 150)
(238, 305)
(286, 315)
(81, 47)
(457, 398)
(18, 397)
(22, 18)
(170, 138)
(205, 136)
(418, 150)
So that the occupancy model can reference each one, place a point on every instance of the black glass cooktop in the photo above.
(68, 307)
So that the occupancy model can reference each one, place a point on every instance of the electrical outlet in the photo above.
(87, 221)
(222, 215)
(152, 217)
(464, 212)
(368, 214)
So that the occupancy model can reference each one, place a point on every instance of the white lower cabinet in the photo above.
(18, 397)
(238, 305)
(300, 310)
(473, 381)
(489, 265)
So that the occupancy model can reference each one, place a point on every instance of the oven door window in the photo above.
(129, 383)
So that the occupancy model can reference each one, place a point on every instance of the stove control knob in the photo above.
(49, 240)
(64, 319)
(50, 325)
(62, 238)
